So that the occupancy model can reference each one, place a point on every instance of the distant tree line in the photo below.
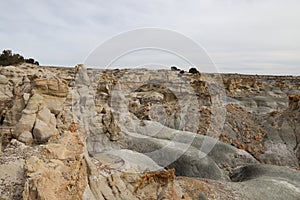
(8, 58)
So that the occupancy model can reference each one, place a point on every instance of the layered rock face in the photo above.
(78, 133)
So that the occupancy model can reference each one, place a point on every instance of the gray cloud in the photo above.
(245, 36)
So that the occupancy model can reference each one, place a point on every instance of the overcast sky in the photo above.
(244, 36)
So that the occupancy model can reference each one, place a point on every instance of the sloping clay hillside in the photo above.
(77, 133)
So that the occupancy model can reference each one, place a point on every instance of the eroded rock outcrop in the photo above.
(36, 120)
(58, 172)
(124, 134)
(54, 91)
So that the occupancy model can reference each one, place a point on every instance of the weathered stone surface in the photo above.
(42, 132)
(37, 120)
(282, 136)
(35, 103)
(54, 92)
(12, 176)
(267, 182)
(12, 179)
(58, 177)
(46, 116)
(54, 104)
(3, 80)
(14, 113)
(81, 75)
(132, 185)
(185, 151)
(127, 125)
(11, 71)
(51, 86)
(26, 137)
(278, 153)
(110, 126)
(128, 160)
(26, 123)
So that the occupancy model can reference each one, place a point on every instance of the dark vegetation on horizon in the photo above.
(8, 58)
(192, 70)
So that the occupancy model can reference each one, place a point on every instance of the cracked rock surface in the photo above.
(78, 133)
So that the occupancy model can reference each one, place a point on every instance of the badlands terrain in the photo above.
(83, 133)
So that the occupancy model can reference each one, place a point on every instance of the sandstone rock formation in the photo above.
(144, 134)
(58, 172)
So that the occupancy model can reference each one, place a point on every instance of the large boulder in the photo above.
(42, 131)
(37, 122)
(25, 124)
(26, 137)
(46, 116)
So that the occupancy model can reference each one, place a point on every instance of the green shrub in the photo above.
(8, 58)
(173, 68)
(193, 70)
